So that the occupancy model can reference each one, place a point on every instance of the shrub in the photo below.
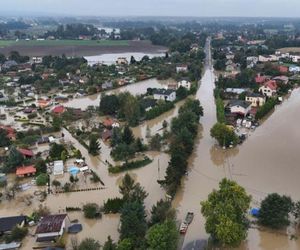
(42, 180)
(113, 205)
(130, 165)
(91, 211)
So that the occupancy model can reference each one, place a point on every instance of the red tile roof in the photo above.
(51, 224)
(26, 152)
(271, 84)
(260, 79)
(283, 69)
(58, 109)
(26, 170)
(108, 122)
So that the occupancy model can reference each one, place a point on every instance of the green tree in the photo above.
(125, 244)
(225, 213)
(18, 233)
(109, 244)
(133, 221)
(163, 236)
(126, 186)
(56, 183)
(64, 155)
(14, 159)
(127, 135)
(155, 142)
(57, 123)
(274, 211)
(116, 137)
(161, 212)
(223, 134)
(41, 166)
(89, 244)
(42, 180)
(91, 210)
(130, 108)
(94, 145)
(4, 140)
(109, 104)
(55, 151)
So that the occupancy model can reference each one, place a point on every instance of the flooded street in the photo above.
(267, 162)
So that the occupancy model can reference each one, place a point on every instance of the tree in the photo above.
(161, 212)
(18, 233)
(116, 136)
(126, 186)
(57, 123)
(132, 60)
(223, 134)
(14, 159)
(127, 136)
(4, 140)
(129, 108)
(56, 150)
(274, 211)
(163, 236)
(89, 244)
(2, 58)
(42, 180)
(125, 244)
(94, 146)
(225, 213)
(91, 210)
(155, 142)
(56, 183)
(109, 104)
(109, 244)
(41, 166)
(133, 221)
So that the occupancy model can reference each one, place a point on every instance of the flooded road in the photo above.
(134, 88)
(267, 162)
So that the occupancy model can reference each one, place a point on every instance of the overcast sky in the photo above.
(266, 8)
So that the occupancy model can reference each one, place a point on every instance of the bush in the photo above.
(91, 211)
(130, 165)
(18, 233)
(223, 134)
(266, 108)
(42, 180)
(113, 205)
(159, 109)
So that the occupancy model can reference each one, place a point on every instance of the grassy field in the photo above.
(32, 43)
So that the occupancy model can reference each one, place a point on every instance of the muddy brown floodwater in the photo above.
(267, 162)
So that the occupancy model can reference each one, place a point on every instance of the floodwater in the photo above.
(267, 162)
(110, 59)
(134, 88)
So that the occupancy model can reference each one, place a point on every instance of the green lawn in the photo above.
(6, 43)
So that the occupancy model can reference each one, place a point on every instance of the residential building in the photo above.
(268, 58)
(185, 83)
(181, 68)
(26, 171)
(58, 168)
(269, 88)
(281, 79)
(27, 153)
(37, 59)
(164, 94)
(294, 69)
(122, 61)
(256, 99)
(239, 107)
(7, 224)
(51, 227)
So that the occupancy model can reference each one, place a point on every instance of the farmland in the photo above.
(76, 47)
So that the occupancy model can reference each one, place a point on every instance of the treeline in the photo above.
(73, 31)
(219, 106)
(266, 108)
(135, 231)
(184, 129)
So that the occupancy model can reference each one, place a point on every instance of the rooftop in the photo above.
(26, 170)
(51, 224)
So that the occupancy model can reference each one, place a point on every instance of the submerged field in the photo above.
(76, 47)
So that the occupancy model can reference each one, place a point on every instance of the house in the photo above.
(44, 103)
(26, 171)
(108, 122)
(37, 59)
(8, 64)
(58, 168)
(269, 88)
(7, 224)
(173, 86)
(51, 227)
(181, 68)
(256, 99)
(147, 103)
(283, 69)
(268, 58)
(164, 94)
(239, 107)
(58, 110)
(233, 93)
(107, 85)
(27, 153)
(122, 61)
(11, 133)
(281, 79)
(294, 69)
(260, 79)
(106, 135)
(185, 83)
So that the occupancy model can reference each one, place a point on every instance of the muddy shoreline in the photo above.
(83, 50)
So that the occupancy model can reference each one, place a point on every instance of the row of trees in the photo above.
(184, 129)
(226, 210)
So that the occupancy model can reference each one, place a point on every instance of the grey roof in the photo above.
(8, 223)
(241, 103)
(163, 91)
(251, 94)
